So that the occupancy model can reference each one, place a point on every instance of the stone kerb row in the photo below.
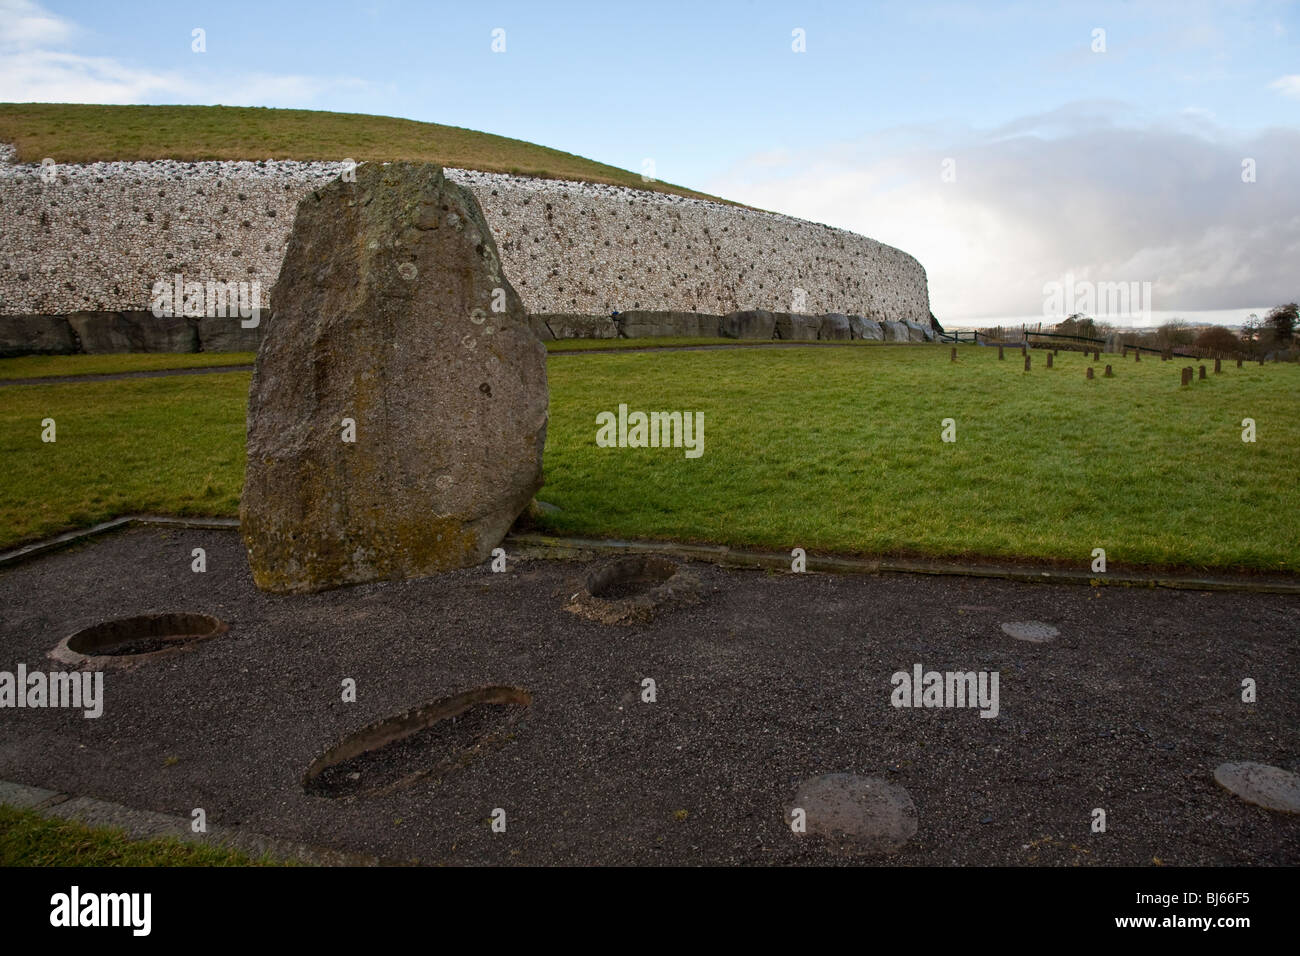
(95, 238)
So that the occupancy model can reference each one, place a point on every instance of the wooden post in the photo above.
(1238, 361)
(1202, 375)
(1125, 355)
(1049, 359)
(1000, 355)
(954, 353)
(1137, 355)
(1026, 360)
(1218, 365)
(1261, 360)
(1089, 373)
(1187, 375)
(1109, 373)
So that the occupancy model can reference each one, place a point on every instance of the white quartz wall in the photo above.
(96, 237)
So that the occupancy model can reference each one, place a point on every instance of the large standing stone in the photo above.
(386, 314)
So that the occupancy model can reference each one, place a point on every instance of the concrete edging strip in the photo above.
(69, 538)
(550, 546)
(545, 545)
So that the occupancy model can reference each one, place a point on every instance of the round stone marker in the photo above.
(1269, 787)
(1035, 631)
(855, 814)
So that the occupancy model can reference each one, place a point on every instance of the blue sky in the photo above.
(1115, 165)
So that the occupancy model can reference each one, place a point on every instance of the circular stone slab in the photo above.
(860, 814)
(1269, 787)
(1035, 631)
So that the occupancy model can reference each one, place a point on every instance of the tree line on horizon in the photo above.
(1255, 337)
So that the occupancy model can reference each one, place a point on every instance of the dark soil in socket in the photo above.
(435, 749)
(629, 587)
(142, 645)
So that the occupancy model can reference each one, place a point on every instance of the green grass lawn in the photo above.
(173, 445)
(825, 449)
(596, 345)
(29, 839)
(53, 366)
(84, 133)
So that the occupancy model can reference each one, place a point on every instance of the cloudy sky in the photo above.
(1006, 146)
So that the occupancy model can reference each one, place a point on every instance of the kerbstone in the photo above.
(747, 324)
(835, 326)
(797, 327)
(896, 332)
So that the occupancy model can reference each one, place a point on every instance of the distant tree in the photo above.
(1172, 333)
(1217, 339)
(1256, 337)
(1282, 321)
(1077, 324)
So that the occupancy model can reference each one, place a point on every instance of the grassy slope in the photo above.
(81, 133)
(28, 839)
(825, 449)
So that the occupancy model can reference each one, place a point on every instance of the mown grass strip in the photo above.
(834, 450)
(29, 839)
(55, 366)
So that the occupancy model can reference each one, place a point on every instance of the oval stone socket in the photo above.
(633, 589)
(130, 641)
(432, 739)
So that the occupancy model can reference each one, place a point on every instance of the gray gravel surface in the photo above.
(771, 680)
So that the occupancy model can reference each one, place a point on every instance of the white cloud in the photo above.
(37, 67)
(1288, 85)
(25, 25)
(44, 76)
(1154, 203)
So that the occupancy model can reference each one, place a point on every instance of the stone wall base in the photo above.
(98, 333)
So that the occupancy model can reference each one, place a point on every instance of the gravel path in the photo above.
(773, 679)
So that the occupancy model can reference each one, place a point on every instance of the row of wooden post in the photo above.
(1137, 357)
